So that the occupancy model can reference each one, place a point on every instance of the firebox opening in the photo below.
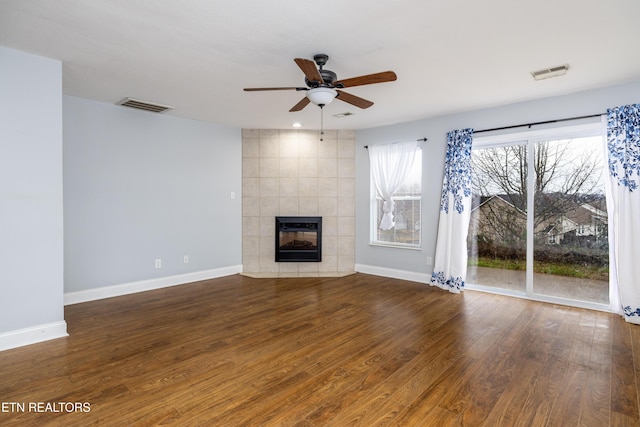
(298, 239)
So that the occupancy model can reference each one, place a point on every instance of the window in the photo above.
(408, 201)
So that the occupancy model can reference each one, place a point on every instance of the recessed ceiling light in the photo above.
(297, 125)
(547, 73)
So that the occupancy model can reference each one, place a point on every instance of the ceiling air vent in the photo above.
(547, 73)
(144, 105)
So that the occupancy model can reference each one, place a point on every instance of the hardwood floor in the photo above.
(358, 350)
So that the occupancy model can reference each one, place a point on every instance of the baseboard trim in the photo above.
(393, 273)
(33, 335)
(147, 285)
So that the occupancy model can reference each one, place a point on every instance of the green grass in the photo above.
(558, 269)
(505, 264)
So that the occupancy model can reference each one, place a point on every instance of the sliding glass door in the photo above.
(571, 252)
(539, 218)
(498, 226)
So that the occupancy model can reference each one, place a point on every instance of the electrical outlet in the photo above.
(186, 259)
(429, 260)
(158, 263)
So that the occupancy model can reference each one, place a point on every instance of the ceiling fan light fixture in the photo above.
(321, 95)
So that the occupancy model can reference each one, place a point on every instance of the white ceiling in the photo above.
(449, 55)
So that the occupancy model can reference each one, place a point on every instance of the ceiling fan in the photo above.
(323, 86)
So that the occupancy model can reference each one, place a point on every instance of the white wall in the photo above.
(411, 264)
(31, 211)
(141, 186)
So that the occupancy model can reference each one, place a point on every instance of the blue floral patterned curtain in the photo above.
(623, 149)
(450, 266)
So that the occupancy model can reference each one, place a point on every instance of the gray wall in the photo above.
(572, 105)
(31, 249)
(140, 186)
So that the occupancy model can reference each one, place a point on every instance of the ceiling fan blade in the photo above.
(254, 89)
(309, 69)
(353, 100)
(385, 76)
(300, 105)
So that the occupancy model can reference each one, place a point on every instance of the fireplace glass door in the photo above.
(298, 239)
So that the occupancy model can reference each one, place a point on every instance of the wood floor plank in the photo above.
(624, 389)
(595, 401)
(519, 404)
(359, 350)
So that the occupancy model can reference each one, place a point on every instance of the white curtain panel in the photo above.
(450, 266)
(390, 166)
(623, 149)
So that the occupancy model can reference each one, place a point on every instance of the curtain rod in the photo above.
(417, 140)
(539, 123)
(591, 116)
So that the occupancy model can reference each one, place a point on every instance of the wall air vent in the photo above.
(547, 73)
(144, 105)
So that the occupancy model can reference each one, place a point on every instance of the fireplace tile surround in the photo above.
(293, 173)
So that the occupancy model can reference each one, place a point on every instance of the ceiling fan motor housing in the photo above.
(329, 77)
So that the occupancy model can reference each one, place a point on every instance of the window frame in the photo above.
(374, 220)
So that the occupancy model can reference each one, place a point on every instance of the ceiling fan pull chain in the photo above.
(321, 122)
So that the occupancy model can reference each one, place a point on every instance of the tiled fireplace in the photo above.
(292, 173)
